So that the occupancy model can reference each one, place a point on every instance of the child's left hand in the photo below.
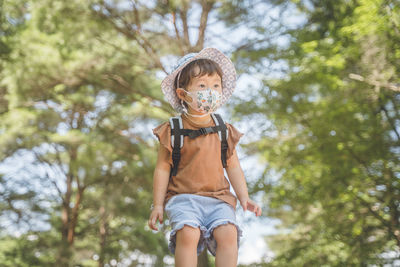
(248, 204)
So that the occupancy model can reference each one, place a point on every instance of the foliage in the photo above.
(74, 91)
(79, 93)
(333, 137)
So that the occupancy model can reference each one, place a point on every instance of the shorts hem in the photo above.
(179, 226)
(212, 243)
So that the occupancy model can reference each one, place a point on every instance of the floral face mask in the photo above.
(205, 101)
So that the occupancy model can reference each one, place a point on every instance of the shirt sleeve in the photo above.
(163, 134)
(233, 138)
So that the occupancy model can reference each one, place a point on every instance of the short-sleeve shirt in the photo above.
(200, 169)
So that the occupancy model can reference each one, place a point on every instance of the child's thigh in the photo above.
(180, 211)
(188, 235)
(225, 234)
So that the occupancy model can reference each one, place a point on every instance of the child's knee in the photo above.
(226, 235)
(188, 236)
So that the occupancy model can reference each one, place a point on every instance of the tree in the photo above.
(330, 146)
(80, 85)
(71, 104)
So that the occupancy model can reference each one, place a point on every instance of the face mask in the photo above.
(204, 101)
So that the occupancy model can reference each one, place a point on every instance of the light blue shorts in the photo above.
(202, 212)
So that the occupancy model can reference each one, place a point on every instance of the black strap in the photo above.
(224, 143)
(176, 151)
(177, 132)
(202, 131)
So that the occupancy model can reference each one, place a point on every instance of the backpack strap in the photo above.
(202, 131)
(223, 136)
(176, 142)
(177, 134)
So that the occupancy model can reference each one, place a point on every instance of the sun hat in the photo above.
(226, 65)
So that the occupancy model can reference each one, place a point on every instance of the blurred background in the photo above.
(317, 99)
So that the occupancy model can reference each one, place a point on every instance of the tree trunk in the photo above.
(103, 235)
(69, 217)
(64, 254)
(202, 259)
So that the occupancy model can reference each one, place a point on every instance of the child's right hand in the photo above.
(156, 213)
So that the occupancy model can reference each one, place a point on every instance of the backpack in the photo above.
(178, 132)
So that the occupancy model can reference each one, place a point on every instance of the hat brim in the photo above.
(228, 77)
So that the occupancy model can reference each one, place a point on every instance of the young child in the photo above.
(196, 196)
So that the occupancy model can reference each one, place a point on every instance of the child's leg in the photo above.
(227, 250)
(186, 246)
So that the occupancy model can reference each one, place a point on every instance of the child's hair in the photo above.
(205, 66)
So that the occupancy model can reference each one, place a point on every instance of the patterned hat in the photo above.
(228, 75)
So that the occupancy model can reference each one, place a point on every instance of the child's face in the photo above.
(212, 81)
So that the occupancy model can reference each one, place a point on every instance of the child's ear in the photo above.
(183, 95)
(180, 93)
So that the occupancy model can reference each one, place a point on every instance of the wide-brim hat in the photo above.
(228, 75)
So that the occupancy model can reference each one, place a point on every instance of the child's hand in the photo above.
(248, 204)
(156, 213)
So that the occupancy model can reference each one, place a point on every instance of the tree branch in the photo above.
(392, 124)
(136, 34)
(369, 81)
(44, 161)
(184, 19)
(178, 36)
(206, 8)
(124, 84)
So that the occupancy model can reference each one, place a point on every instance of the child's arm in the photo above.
(236, 177)
(160, 184)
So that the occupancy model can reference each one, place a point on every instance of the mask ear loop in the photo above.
(184, 107)
(181, 101)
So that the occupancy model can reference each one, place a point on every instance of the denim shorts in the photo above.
(202, 212)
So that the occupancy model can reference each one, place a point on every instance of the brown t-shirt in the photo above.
(200, 169)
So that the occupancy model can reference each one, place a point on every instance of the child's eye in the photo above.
(202, 85)
(216, 85)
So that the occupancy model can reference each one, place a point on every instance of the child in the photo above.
(189, 181)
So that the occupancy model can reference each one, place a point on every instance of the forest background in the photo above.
(317, 98)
